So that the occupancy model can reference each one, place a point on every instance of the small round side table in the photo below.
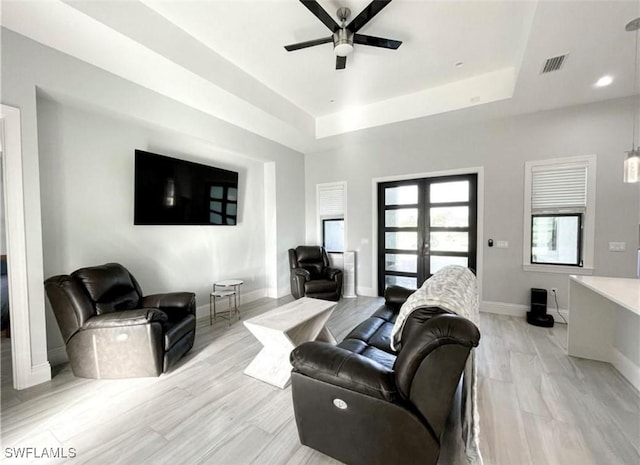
(226, 288)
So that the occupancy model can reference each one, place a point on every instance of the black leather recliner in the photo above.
(362, 403)
(311, 275)
(112, 331)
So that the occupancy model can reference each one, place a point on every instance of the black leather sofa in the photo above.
(362, 403)
(311, 275)
(111, 331)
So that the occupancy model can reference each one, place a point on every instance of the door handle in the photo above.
(425, 249)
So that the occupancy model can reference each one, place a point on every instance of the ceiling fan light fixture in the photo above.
(632, 162)
(345, 35)
(632, 166)
(342, 50)
(343, 42)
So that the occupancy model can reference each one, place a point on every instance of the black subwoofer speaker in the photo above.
(538, 314)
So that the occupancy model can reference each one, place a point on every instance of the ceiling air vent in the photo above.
(553, 64)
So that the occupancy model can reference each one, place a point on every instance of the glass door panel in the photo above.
(401, 262)
(452, 191)
(401, 218)
(401, 240)
(401, 195)
(449, 217)
(449, 241)
(404, 281)
(423, 226)
(440, 261)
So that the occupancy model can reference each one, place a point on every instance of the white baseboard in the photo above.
(503, 308)
(202, 311)
(57, 356)
(626, 367)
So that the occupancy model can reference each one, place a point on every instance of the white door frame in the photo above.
(479, 170)
(25, 372)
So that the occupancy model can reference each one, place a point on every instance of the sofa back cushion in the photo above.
(395, 296)
(435, 347)
(71, 304)
(111, 287)
(313, 259)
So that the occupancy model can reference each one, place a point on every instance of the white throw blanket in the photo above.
(453, 288)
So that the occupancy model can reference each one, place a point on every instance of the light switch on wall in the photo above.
(502, 244)
(617, 246)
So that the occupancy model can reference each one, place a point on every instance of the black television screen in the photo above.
(171, 191)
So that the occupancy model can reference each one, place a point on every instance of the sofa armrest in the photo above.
(333, 273)
(172, 303)
(299, 276)
(341, 367)
(395, 296)
(139, 316)
(301, 273)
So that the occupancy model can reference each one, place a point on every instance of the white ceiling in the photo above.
(436, 35)
(232, 51)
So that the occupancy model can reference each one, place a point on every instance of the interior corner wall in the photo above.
(271, 229)
(290, 216)
(86, 182)
(501, 146)
(73, 91)
(3, 231)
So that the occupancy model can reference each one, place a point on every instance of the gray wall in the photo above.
(501, 146)
(3, 231)
(95, 106)
(86, 182)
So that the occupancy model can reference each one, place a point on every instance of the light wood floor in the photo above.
(537, 405)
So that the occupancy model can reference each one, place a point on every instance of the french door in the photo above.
(424, 225)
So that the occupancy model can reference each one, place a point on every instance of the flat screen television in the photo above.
(169, 191)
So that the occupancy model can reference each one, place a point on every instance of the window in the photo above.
(331, 215)
(333, 235)
(559, 215)
(556, 239)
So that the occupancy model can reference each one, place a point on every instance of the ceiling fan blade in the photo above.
(367, 14)
(376, 41)
(341, 62)
(308, 43)
(319, 12)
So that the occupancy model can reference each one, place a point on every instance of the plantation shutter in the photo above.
(331, 201)
(559, 190)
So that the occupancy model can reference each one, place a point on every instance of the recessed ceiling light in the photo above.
(604, 81)
(460, 64)
(331, 100)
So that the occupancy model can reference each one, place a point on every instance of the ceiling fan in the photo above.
(345, 35)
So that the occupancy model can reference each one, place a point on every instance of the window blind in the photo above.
(559, 189)
(331, 201)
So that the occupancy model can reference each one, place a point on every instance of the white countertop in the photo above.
(623, 291)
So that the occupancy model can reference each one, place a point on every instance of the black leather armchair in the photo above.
(112, 331)
(362, 403)
(311, 274)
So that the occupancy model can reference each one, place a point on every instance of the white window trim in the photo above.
(588, 238)
(319, 217)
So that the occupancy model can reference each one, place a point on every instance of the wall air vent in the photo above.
(554, 64)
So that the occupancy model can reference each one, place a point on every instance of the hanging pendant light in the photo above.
(632, 162)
